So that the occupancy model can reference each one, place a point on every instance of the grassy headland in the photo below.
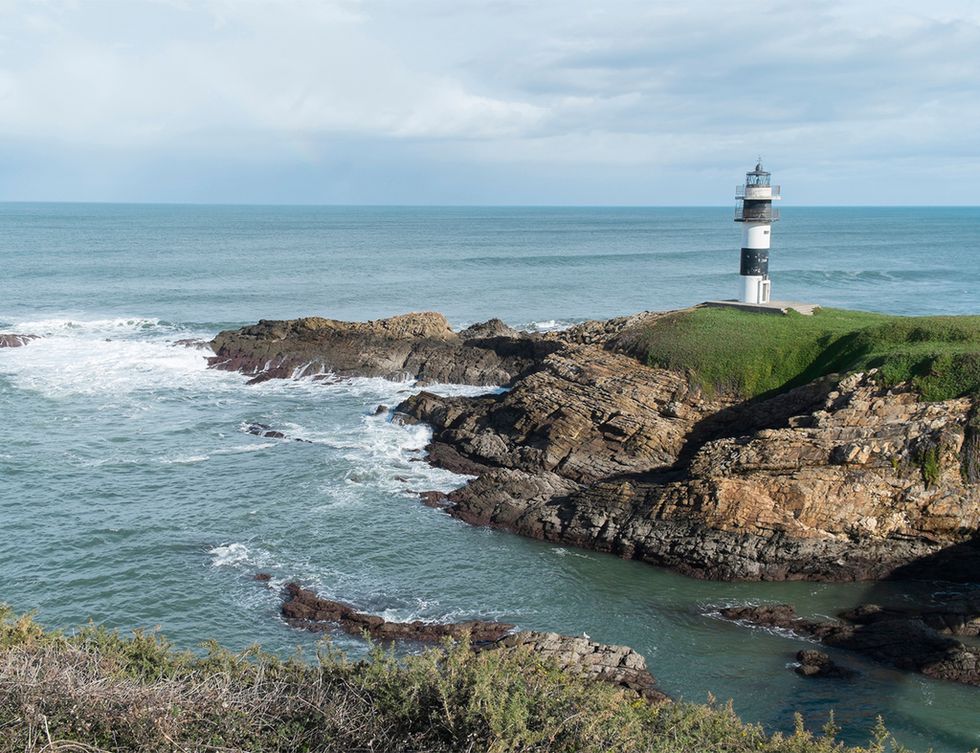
(753, 354)
(96, 690)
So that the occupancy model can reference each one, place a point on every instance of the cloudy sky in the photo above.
(489, 101)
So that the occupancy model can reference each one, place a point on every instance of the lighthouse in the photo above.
(754, 210)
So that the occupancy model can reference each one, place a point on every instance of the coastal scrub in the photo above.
(97, 690)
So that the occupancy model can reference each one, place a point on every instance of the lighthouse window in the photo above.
(766, 231)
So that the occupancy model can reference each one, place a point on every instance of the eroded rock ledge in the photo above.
(839, 479)
(618, 665)
(412, 346)
(303, 608)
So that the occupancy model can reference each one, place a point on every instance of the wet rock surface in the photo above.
(266, 431)
(16, 341)
(818, 664)
(303, 608)
(899, 638)
(413, 346)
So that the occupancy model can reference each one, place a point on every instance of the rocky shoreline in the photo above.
(839, 479)
(15, 341)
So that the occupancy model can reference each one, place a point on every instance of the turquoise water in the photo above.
(130, 492)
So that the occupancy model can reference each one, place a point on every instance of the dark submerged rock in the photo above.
(899, 638)
(818, 664)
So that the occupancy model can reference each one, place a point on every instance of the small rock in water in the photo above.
(381, 410)
(263, 577)
(818, 664)
(434, 499)
(15, 341)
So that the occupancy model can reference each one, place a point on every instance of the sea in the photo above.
(132, 494)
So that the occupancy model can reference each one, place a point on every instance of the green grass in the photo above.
(751, 354)
(96, 690)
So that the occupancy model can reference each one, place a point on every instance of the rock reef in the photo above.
(905, 639)
(303, 608)
(618, 665)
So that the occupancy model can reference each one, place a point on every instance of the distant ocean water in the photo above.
(131, 492)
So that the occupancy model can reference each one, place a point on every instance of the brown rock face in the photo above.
(584, 414)
(303, 608)
(412, 346)
(838, 480)
(15, 341)
(902, 639)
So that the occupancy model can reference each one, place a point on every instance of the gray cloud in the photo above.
(494, 101)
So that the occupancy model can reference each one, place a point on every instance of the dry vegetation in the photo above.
(96, 690)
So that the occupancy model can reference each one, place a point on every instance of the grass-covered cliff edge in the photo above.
(95, 690)
(752, 354)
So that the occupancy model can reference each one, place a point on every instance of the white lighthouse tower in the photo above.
(754, 210)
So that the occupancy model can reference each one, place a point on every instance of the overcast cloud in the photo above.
(489, 101)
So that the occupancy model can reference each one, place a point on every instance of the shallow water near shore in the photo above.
(131, 492)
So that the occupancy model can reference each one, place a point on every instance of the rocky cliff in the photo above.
(841, 478)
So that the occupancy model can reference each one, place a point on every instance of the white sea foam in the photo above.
(226, 555)
(548, 325)
(109, 358)
(185, 460)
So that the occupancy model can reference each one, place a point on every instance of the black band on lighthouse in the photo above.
(757, 209)
(755, 261)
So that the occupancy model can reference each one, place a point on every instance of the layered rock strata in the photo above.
(414, 346)
(839, 479)
(849, 481)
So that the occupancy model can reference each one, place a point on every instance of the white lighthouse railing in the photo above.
(740, 192)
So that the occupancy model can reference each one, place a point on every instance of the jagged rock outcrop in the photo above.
(617, 665)
(303, 608)
(838, 479)
(413, 346)
(899, 638)
(585, 414)
(859, 483)
(15, 341)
